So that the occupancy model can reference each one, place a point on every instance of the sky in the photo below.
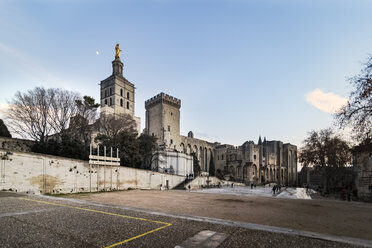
(242, 69)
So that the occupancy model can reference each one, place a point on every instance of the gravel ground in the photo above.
(350, 219)
(73, 226)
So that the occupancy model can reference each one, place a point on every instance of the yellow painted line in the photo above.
(136, 237)
(112, 214)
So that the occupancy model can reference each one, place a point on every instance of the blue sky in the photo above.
(241, 68)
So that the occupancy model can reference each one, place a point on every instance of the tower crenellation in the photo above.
(162, 97)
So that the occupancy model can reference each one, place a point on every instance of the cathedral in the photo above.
(264, 162)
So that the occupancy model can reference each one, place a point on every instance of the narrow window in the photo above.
(105, 93)
(168, 128)
(110, 101)
(105, 101)
(127, 105)
(110, 91)
(128, 95)
(121, 92)
(171, 141)
(121, 102)
(221, 157)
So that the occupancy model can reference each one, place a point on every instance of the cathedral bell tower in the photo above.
(117, 93)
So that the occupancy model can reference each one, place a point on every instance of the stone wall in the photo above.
(363, 163)
(38, 173)
(173, 162)
(200, 182)
(209, 181)
(202, 149)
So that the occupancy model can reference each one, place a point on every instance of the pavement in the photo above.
(262, 191)
(40, 221)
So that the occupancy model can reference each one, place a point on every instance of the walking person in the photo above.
(189, 187)
(274, 189)
(348, 194)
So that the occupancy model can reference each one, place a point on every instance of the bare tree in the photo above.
(62, 108)
(111, 125)
(358, 112)
(323, 149)
(40, 112)
(28, 114)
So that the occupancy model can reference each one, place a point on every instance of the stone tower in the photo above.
(163, 119)
(117, 93)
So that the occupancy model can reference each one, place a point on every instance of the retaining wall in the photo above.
(39, 174)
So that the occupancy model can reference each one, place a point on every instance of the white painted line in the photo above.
(24, 212)
(246, 225)
(204, 239)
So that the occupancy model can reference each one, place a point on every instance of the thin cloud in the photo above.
(30, 67)
(326, 102)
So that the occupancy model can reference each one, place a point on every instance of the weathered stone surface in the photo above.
(38, 173)
(363, 163)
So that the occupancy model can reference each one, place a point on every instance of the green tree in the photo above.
(82, 124)
(357, 114)
(147, 148)
(324, 149)
(212, 169)
(66, 146)
(129, 149)
(4, 132)
(197, 168)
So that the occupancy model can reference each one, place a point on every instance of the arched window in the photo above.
(127, 105)
(110, 91)
(128, 95)
(105, 93)
(121, 102)
(110, 101)
(121, 93)
(105, 101)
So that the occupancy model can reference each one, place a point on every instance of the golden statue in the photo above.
(117, 52)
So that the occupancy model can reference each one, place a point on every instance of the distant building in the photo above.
(267, 161)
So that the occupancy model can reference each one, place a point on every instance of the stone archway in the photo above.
(239, 172)
(232, 172)
(245, 170)
(188, 149)
(271, 175)
(183, 149)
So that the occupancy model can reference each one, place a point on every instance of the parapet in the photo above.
(163, 98)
